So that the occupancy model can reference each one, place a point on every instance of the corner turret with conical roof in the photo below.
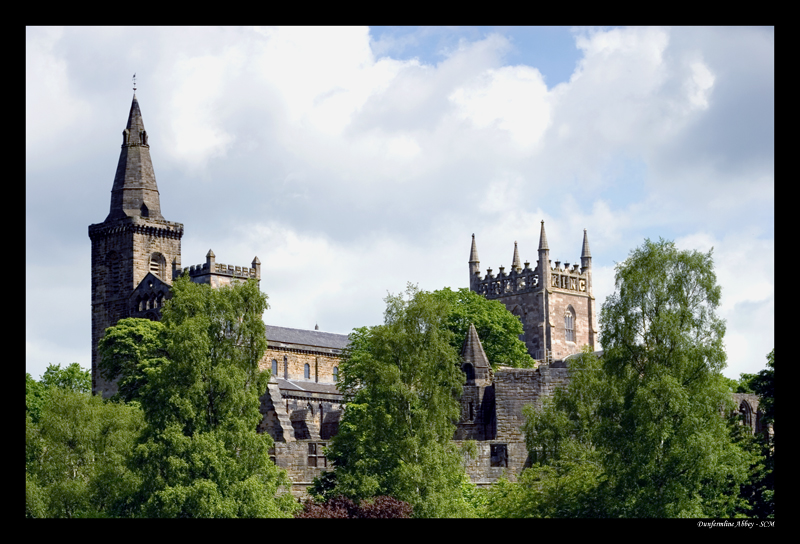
(477, 421)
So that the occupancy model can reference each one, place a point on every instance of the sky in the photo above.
(353, 161)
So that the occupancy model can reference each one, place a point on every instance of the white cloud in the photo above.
(349, 172)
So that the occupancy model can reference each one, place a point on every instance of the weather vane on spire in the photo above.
(134, 82)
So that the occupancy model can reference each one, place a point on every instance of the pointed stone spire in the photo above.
(585, 250)
(543, 239)
(472, 350)
(135, 193)
(473, 252)
(515, 263)
(474, 266)
(586, 255)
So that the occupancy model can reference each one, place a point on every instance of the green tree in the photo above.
(401, 382)
(200, 454)
(76, 455)
(649, 413)
(760, 491)
(72, 377)
(127, 350)
(498, 329)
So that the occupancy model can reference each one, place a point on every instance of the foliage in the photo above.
(498, 329)
(382, 507)
(643, 426)
(200, 454)
(75, 463)
(401, 381)
(35, 396)
(760, 490)
(127, 350)
(72, 377)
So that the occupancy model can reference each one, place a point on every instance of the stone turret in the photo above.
(474, 265)
(516, 264)
(474, 361)
(586, 255)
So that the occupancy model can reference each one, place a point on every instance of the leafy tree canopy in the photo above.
(72, 378)
(498, 329)
(401, 382)
(76, 455)
(127, 350)
(649, 413)
(200, 454)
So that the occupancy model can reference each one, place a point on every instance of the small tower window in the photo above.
(569, 324)
(285, 367)
(335, 374)
(499, 455)
(306, 371)
(158, 265)
(144, 212)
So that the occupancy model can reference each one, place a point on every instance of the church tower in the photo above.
(554, 303)
(135, 251)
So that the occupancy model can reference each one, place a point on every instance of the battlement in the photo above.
(570, 279)
(517, 281)
(137, 225)
(222, 269)
(218, 274)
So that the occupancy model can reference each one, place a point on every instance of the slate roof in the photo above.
(307, 386)
(311, 339)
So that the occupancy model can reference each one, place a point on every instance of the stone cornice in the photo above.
(137, 225)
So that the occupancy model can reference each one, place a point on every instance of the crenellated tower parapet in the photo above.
(218, 274)
(490, 286)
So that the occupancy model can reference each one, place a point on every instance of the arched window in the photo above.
(285, 367)
(335, 374)
(306, 371)
(158, 265)
(569, 324)
(274, 367)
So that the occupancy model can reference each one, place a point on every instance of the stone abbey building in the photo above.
(136, 254)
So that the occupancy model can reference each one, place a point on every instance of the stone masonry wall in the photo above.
(320, 365)
(559, 302)
(121, 253)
